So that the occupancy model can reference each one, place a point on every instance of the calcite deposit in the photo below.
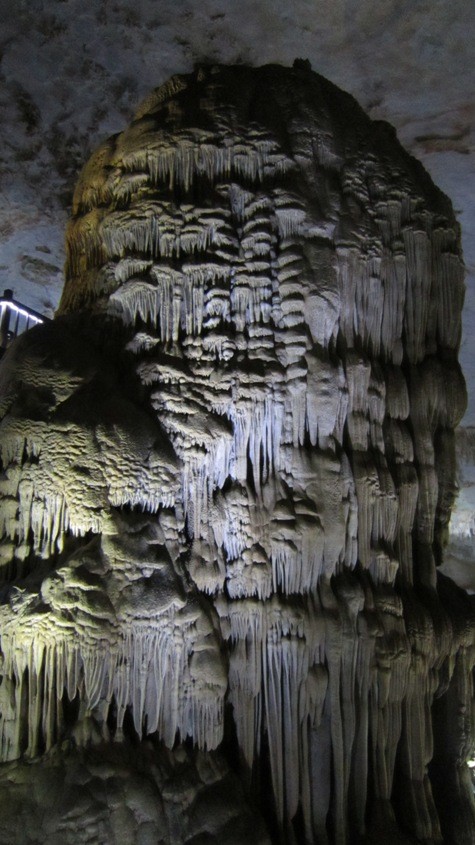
(228, 470)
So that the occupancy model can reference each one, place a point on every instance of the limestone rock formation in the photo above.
(122, 794)
(228, 469)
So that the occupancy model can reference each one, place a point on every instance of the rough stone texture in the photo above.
(229, 464)
(459, 561)
(132, 794)
(71, 74)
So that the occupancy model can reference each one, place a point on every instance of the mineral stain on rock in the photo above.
(228, 469)
(37, 270)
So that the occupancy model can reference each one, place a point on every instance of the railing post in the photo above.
(5, 321)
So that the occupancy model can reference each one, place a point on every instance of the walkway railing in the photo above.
(15, 318)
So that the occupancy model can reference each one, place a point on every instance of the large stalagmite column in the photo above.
(228, 468)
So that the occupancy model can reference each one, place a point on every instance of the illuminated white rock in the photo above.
(228, 464)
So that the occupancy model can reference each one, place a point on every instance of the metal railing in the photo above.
(15, 318)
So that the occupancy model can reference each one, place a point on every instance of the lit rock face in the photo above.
(458, 555)
(229, 463)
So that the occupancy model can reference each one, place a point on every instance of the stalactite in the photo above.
(239, 495)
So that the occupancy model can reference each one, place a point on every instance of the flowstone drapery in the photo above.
(228, 466)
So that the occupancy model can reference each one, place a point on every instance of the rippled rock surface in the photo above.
(228, 467)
